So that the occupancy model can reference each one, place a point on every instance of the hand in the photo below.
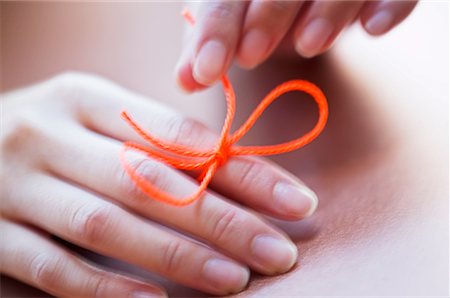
(250, 31)
(61, 176)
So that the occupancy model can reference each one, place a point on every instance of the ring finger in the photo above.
(212, 219)
(31, 258)
(89, 221)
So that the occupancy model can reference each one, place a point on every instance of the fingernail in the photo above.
(273, 254)
(254, 47)
(186, 89)
(225, 276)
(141, 294)
(380, 22)
(314, 37)
(298, 201)
(209, 63)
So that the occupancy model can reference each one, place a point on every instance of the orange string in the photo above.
(208, 161)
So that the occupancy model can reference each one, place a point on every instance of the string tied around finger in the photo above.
(209, 161)
(221, 157)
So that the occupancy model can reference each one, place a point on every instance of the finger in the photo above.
(266, 23)
(185, 79)
(211, 219)
(98, 110)
(251, 181)
(214, 40)
(266, 187)
(33, 259)
(183, 68)
(321, 23)
(87, 220)
(379, 17)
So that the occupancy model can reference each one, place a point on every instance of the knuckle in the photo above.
(227, 222)
(280, 7)
(45, 270)
(150, 170)
(249, 174)
(69, 85)
(20, 130)
(222, 10)
(77, 86)
(173, 256)
(100, 285)
(73, 80)
(188, 132)
(90, 221)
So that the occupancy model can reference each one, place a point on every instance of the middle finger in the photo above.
(233, 229)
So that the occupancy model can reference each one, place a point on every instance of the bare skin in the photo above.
(62, 139)
(251, 31)
(379, 170)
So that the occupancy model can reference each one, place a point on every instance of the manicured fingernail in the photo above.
(225, 276)
(141, 294)
(380, 22)
(296, 200)
(253, 48)
(273, 254)
(209, 63)
(314, 37)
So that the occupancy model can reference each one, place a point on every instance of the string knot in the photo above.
(208, 161)
(221, 156)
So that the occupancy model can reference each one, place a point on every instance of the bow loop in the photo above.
(286, 87)
(207, 162)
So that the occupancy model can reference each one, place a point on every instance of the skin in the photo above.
(251, 31)
(34, 229)
(61, 176)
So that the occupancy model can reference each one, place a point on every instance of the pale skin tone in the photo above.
(249, 32)
(61, 176)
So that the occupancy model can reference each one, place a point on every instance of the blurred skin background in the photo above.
(380, 169)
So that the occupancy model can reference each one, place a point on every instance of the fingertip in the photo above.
(225, 276)
(210, 62)
(379, 23)
(378, 18)
(314, 202)
(314, 38)
(184, 78)
(295, 200)
(274, 255)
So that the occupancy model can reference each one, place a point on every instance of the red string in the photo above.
(208, 161)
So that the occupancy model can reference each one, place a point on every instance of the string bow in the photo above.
(208, 161)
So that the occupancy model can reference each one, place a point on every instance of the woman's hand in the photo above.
(61, 176)
(250, 31)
